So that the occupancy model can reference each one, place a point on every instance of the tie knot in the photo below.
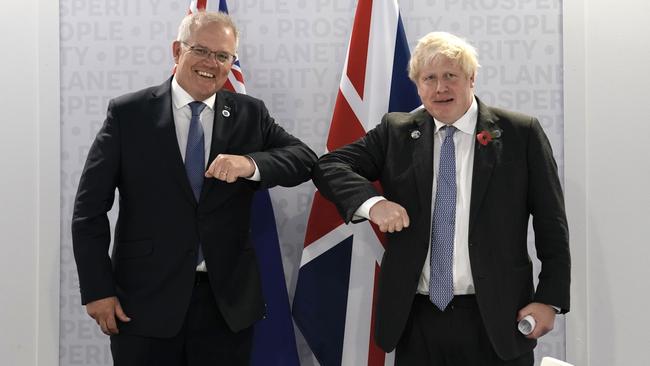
(449, 131)
(197, 108)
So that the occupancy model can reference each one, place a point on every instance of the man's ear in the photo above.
(471, 79)
(176, 51)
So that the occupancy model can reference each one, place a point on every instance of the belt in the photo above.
(461, 301)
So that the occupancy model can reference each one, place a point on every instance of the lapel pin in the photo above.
(225, 113)
(415, 134)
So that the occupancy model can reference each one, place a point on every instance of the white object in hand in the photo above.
(526, 325)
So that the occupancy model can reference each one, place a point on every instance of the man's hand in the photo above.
(104, 312)
(389, 216)
(544, 316)
(230, 167)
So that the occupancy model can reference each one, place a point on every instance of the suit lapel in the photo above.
(225, 115)
(165, 130)
(484, 161)
(423, 157)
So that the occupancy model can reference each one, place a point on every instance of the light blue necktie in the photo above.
(195, 156)
(441, 286)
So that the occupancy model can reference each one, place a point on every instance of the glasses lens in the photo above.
(222, 57)
(202, 52)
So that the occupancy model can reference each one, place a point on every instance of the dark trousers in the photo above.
(204, 339)
(455, 337)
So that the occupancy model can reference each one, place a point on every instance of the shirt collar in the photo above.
(181, 98)
(466, 123)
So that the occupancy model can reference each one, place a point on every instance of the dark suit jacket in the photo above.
(160, 224)
(514, 176)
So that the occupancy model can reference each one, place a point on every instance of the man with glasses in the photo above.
(182, 285)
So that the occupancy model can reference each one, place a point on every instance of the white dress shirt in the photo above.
(464, 148)
(464, 142)
(182, 115)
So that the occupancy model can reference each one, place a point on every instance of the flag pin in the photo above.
(225, 113)
(415, 134)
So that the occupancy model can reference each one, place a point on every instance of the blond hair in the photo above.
(448, 45)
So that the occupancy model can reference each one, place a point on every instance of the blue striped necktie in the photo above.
(441, 286)
(195, 156)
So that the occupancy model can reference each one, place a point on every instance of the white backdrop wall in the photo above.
(605, 53)
(29, 198)
(607, 179)
(19, 175)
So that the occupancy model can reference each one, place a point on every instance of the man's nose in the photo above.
(441, 86)
(213, 60)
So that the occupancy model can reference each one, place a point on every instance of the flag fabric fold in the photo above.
(274, 341)
(335, 292)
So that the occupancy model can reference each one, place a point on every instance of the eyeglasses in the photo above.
(221, 56)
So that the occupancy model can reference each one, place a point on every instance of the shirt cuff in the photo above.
(557, 309)
(363, 212)
(256, 175)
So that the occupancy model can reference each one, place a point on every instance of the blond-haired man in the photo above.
(460, 181)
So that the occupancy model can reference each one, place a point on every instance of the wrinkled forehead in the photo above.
(214, 35)
(442, 62)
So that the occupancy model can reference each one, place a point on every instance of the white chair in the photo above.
(550, 361)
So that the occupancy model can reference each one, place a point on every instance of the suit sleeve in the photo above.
(284, 159)
(546, 203)
(90, 225)
(344, 176)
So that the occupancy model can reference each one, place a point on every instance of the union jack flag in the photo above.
(334, 298)
(274, 341)
(196, 5)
